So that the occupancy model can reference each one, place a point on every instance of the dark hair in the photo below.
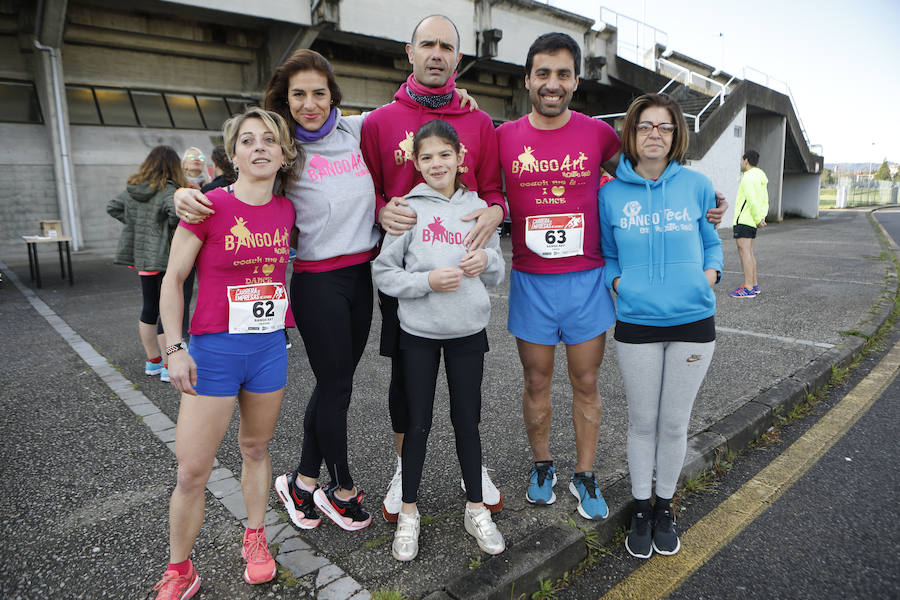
(221, 160)
(550, 43)
(443, 131)
(752, 157)
(679, 136)
(275, 98)
(161, 165)
(412, 39)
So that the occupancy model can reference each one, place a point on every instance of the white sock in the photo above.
(399, 464)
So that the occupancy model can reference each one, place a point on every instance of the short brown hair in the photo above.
(679, 136)
(161, 165)
(276, 125)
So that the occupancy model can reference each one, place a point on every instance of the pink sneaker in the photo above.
(260, 564)
(177, 587)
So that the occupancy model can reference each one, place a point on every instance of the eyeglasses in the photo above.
(195, 157)
(645, 127)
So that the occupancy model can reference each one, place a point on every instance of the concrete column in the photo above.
(766, 134)
(800, 194)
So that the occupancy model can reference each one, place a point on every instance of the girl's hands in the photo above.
(473, 263)
(445, 279)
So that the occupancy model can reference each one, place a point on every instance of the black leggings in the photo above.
(333, 311)
(390, 336)
(150, 286)
(464, 363)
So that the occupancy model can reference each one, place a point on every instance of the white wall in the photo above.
(722, 163)
(800, 195)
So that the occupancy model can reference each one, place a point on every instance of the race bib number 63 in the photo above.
(256, 308)
(555, 236)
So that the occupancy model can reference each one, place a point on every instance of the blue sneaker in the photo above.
(755, 289)
(541, 482)
(591, 504)
(152, 368)
(164, 375)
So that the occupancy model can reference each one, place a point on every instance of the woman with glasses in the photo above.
(662, 258)
(194, 164)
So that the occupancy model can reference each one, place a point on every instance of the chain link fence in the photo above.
(865, 193)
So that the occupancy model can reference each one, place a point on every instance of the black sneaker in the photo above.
(665, 540)
(298, 503)
(347, 514)
(638, 543)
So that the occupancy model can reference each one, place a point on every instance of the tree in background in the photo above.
(884, 172)
(827, 177)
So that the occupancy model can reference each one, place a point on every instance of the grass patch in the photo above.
(375, 542)
(474, 563)
(387, 595)
(827, 197)
(286, 579)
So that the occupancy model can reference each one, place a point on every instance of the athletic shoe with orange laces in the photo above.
(177, 587)
(260, 564)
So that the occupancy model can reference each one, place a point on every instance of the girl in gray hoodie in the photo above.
(443, 306)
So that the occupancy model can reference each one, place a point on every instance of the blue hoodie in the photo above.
(655, 236)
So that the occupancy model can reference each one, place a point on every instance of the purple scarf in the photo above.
(304, 136)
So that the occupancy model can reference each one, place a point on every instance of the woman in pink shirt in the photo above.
(237, 352)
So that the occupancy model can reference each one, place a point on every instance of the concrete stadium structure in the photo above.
(88, 87)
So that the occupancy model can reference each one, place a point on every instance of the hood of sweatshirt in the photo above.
(423, 190)
(451, 108)
(140, 192)
(656, 202)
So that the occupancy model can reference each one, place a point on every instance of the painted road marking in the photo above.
(779, 338)
(661, 575)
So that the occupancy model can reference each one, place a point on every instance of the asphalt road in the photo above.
(832, 534)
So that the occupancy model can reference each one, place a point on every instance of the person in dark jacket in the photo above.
(225, 174)
(147, 210)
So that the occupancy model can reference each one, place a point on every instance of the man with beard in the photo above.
(552, 160)
(387, 133)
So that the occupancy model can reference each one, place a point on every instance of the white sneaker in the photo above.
(480, 525)
(491, 496)
(393, 498)
(406, 538)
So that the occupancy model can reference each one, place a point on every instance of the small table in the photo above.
(34, 267)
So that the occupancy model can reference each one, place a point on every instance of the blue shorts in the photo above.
(546, 308)
(230, 362)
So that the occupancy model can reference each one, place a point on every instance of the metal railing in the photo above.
(771, 82)
(852, 193)
(689, 78)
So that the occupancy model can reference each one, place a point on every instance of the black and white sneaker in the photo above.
(349, 515)
(665, 540)
(639, 541)
(298, 503)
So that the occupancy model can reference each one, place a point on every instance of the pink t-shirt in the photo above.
(242, 244)
(554, 175)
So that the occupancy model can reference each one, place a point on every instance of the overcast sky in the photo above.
(840, 59)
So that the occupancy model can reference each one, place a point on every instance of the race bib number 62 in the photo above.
(256, 308)
(555, 236)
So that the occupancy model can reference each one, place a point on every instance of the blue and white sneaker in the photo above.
(152, 368)
(591, 504)
(164, 375)
(755, 289)
(541, 482)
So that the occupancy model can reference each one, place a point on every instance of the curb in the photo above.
(555, 550)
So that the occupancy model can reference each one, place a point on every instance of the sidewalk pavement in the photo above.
(87, 437)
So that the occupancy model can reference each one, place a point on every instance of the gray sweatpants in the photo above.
(661, 382)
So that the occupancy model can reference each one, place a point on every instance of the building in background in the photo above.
(88, 87)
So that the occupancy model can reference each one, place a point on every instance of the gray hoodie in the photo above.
(436, 240)
(334, 196)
